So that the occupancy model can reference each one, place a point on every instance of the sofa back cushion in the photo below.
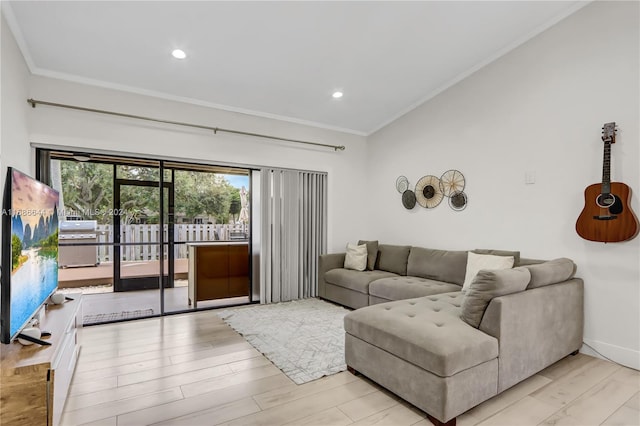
(488, 284)
(514, 254)
(372, 253)
(393, 258)
(551, 272)
(524, 261)
(441, 265)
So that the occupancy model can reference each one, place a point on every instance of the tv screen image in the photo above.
(29, 248)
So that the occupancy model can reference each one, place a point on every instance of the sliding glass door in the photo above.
(141, 236)
(138, 240)
(211, 222)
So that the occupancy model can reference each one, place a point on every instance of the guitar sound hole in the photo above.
(605, 200)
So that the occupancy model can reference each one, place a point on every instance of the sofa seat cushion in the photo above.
(426, 332)
(398, 288)
(355, 280)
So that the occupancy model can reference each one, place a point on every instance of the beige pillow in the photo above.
(487, 285)
(476, 262)
(515, 254)
(356, 257)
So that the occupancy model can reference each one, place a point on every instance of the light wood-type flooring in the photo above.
(192, 369)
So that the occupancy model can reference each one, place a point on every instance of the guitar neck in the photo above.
(606, 169)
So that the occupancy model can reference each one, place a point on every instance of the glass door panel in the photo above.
(86, 234)
(137, 246)
(137, 222)
(210, 208)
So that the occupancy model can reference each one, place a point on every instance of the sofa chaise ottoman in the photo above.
(446, 353)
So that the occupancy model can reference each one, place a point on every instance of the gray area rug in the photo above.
(303, 338)
(116, 316)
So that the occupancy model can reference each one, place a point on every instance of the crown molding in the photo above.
(36, 70)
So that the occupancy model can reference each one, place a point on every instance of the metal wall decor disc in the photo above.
(458, 200)
(428, 193)
(402, 184)
(408, 199)
(451, 181)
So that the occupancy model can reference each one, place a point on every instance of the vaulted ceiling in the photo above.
(278, 59)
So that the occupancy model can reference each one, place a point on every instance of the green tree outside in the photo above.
(88, 190)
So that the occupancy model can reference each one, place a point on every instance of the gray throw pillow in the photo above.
(372, 253)
(489, 284)
(393, 258)
(515, 254)
(551, 272)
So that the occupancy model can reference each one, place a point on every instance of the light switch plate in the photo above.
(530, 177)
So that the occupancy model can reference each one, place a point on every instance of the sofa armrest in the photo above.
(327, 262)
(535, 328)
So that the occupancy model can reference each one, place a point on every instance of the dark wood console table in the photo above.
(218, 270)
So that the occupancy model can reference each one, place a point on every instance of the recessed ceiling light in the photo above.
(179, 54)
(337, 94)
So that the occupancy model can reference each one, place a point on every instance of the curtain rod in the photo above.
(215, 130)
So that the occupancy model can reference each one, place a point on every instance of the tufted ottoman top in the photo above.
(398, 288)
(426, 332)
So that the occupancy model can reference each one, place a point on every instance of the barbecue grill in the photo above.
(82, 233)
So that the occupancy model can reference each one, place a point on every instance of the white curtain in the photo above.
(293, 233)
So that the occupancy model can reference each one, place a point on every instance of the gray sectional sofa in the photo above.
(444, 351)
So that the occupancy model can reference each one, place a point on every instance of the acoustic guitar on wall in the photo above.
(607, 216)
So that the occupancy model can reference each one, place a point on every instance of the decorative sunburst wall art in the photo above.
(431, 190)
(428, 191)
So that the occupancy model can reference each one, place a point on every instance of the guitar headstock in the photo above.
(609, 132)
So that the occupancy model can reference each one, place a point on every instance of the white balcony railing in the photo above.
(147, 237)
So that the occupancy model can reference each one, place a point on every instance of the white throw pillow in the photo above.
(356, 257)
(476, 262)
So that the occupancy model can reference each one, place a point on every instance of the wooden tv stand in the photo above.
(34, 380)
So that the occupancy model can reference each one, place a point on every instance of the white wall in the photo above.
(539, 108)
(69, 128)
(2, 25)
(14, 80)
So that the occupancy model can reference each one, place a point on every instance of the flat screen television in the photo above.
(29, 251)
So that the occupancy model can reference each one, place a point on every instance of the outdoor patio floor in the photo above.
(100, 301)
(103, 273)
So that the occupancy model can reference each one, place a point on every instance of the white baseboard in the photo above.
(624, 356)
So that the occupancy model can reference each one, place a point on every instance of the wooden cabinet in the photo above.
(218, 271)
(34, 380)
